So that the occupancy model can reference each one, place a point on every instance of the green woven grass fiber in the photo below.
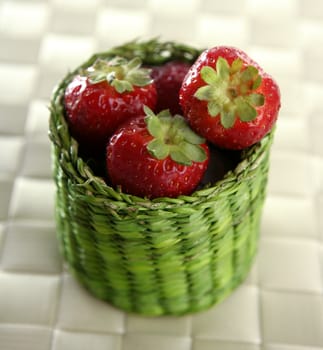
(161, 256)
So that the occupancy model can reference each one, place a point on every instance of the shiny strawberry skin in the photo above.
(168, 79)
(242, 134)
(132, 167)
(94, 111)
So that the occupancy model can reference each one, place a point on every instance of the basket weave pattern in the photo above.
(161, 256)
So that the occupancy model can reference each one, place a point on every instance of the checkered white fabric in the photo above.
(280, 306)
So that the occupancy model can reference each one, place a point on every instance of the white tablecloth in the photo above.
(280, 306)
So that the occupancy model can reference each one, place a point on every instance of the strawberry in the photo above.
(168, 79)
(104, 95)
(156, 156)
(229, 99)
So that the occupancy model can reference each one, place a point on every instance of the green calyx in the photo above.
(229, 91)
(120, 73)
(173, 137)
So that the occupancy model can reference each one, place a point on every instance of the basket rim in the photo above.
(82, 175)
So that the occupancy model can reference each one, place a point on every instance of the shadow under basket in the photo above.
(163, 256)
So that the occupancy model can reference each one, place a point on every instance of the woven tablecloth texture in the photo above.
(280, 305)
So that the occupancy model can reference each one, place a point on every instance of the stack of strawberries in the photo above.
(157, 127)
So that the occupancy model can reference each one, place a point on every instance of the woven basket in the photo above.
(161, 256)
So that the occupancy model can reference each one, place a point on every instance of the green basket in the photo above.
(162, 256)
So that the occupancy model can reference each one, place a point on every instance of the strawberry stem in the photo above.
(173, 137)
(229, 91)
(120, 73)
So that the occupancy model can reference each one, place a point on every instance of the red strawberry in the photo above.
(101, 97)
(229, 99)
(156, 156)
(168, 79)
